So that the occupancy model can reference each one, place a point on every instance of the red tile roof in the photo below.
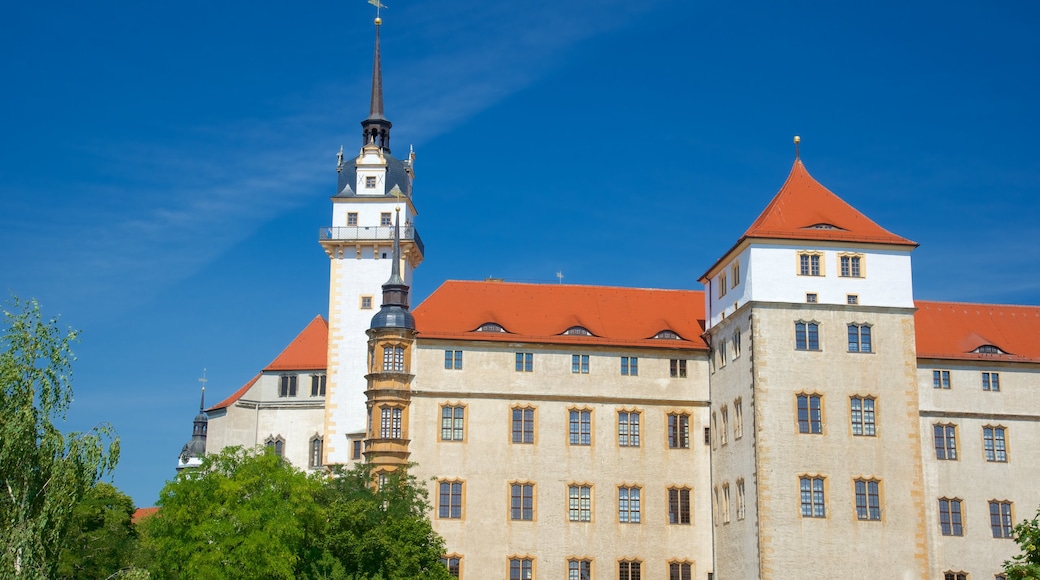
(804, 209)
(142, 513)
(952, 330)
(308, 351)
(541, 313)
(236, 395)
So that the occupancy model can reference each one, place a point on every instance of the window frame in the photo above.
(453, 558)
(457, 432)
(630, 366)
(954, 524)
(807, 336)
(579, 431)
(738, 418)
(577, 567)
(946, 434)
(391, 422)
(941, 379)
(1001, 519)
(454, 491)
(580, 364)
(528, 425)
(809, 425)
(452, 360)
(365, 302)
(319, 384)
(287, 385)
(991, 381)
(994, 446)
(741, 506)
(863, 420)
(630, 569)
(314, 452)
(679, 506)
(352, 219)
(627, 497)
(523, 564)
(632, 439)
(525, 362)
(522, 501)
(867, 492)
(851, 265)
(678, 430)
(579, 502)
(860, 338)
(807, 260)
(813, 505)
(677, 368)
(680, 570)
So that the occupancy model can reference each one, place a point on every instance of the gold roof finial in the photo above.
(797, 140)
(378, 5)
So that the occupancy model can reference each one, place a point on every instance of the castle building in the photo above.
(802, 415)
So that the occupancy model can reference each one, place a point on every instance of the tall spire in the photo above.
(394, 311)
(376, 128)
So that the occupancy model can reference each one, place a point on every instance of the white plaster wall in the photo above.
(369, 212)
(771, 275)
(488, 461)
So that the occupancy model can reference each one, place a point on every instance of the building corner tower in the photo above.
(360, 245)
(816, 459)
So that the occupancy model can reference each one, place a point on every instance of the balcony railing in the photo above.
(369, 233)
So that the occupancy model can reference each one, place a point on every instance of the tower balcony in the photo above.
(363, 234)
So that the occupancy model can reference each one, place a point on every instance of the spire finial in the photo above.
(797, 140)
(203, 380)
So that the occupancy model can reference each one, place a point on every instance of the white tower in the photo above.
(359, 244)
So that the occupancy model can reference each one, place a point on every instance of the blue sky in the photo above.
(164, 169)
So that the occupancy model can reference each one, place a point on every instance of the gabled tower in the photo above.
(359, 244)
(390, 339)
(815, 435)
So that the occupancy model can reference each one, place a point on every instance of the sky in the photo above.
(165, 168)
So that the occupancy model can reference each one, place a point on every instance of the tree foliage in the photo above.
(43, 472)
(250, 514)
(101, 538)
(1026, 566)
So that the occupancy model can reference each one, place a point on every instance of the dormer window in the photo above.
(667, 335)
(490, 327)
(578, 331)
(988, 349)
(823, 226)
(370, 182)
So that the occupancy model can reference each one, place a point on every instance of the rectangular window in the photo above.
(722, 285)
(859, 338)
(850, 266)
(950, 517)
(677, 368)
(525, 362)
(740, 499)
(370, 182)
(356, 451)
(868, 500)
(810, 414)
(393, 359)
(806, 336)
(453, 359)
(724, 432)
(994, 444)
(366, 303)
(384, 219)
(738, 419)
(941, 379)
(453, 564)
(990, 381)
(580, 427)
(809, 265)
(521, 502)
(390, 423)
(955, 576)
(863, 416)
(680, 571)
(678, 506)
(580, 503)
(1000, 518)
(629, 365)
(678, 431)
(945, 441)
(736, 344)
(725, 503)
(580, 364)
(453, 420)
(811, 298)
(628, 505)
(734, 274)
(630, 570)
(317, 385)
(315, 453)
(352, 218)
(287, 386)
(852, 299)
(521, 569)
(449, 500)
(812, 497)
(722, 354)
(523, 425)
(579, 569)
(628, 428)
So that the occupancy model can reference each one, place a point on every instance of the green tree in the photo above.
(43, 472)
(1026, 566)
(101, 538)
(379, 532)
(241, 514)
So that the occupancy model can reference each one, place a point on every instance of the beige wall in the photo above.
(487, 461)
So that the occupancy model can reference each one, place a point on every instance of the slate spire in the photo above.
(376, 128)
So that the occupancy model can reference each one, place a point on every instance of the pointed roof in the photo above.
(804, 209)
(954, 330)
(308, 351)
(543, 313)
(236, 395)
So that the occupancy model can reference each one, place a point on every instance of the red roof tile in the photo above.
(952, 330)
(236, 395)
(804, 209)
(142, 513)
(541, 313)
(308, 351)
